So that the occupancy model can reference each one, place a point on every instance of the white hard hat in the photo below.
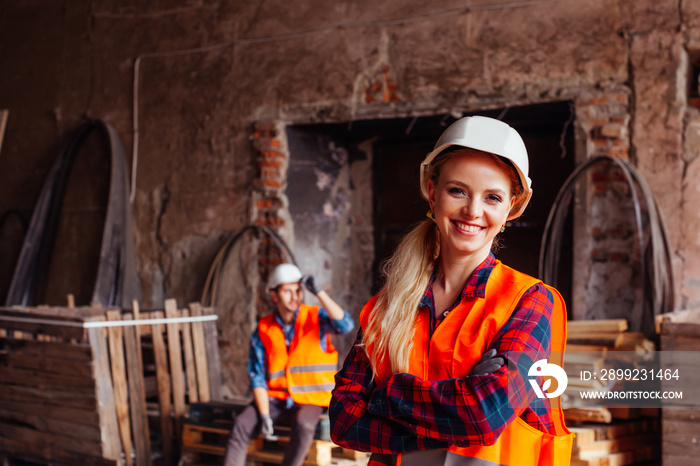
(486, 135)
(284, 273)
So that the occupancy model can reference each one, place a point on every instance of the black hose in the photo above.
(655, 269)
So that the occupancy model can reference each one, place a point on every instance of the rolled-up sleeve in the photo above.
(257, 369)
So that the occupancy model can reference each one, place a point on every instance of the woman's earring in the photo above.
(503, 228)
(431, 215)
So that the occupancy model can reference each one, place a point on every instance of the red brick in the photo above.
(270, 163)
(271, 173)
(264, 143)
(611, 131)
(272, 154)
(269, 184)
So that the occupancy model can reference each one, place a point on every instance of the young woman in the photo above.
(439, 372)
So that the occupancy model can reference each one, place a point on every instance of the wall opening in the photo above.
(391, 150)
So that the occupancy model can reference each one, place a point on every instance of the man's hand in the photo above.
(267, 428)
(488, 364)
(309, 282)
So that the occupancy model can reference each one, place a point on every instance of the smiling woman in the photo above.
(427, 380)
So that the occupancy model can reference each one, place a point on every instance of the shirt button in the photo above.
(444, 314)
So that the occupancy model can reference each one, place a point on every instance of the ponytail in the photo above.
(407, 272)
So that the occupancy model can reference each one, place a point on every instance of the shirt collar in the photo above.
(281, 322)
(474, 288)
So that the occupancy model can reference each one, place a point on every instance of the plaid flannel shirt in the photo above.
(405, 413)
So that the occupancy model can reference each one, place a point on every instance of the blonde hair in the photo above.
(407, 273)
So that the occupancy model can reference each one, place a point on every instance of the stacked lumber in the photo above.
(209, 424)
(57, 400)
(616, 444)
(605, 335)
(680, 441)
(606, 435)
(75, 387)
(593, 345)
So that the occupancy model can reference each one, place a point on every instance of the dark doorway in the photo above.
(400, 144)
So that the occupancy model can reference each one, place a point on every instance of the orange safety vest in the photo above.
(457, 345)
(305, 372)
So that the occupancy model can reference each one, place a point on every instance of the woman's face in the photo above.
(471, 201)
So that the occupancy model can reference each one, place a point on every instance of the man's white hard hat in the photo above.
(487, 135)
(284, 273)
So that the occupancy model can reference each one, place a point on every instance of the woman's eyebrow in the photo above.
(464, 185)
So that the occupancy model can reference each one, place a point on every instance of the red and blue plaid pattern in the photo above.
(405, 413)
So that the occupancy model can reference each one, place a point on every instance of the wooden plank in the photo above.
(163, 383)
(679, 343)
(588, 414)
(683, 329)
(340, 452)
(601, 325)
(605, 447)
(59, 412)
(320, 451)
(121, 393)
(176, 372)
(625, 412)
(193, 439)
(190, 371)
(574, 347)
(51, 454)
(200, 354)
(625, 458)
(111, 447)
(137, 398)
(211, 339)
(45, 439)
(47, 364)
(42, 423)
(44, 380)
(608, 340)
(34, 328)
(68, 351)
(75, 398)
(681, 414)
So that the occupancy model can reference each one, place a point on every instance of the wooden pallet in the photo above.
(619, 443)
(74, 393)
(211, 440)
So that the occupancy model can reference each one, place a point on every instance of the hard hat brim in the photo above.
(492, 137)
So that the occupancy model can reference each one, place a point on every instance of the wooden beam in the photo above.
(601, 325)
(190, 371)
(211, 339)
(137, 398)
(68, 351)
(111, 447)
(163, 382)
(177, 375)
(121, 393)
(83, 399)
(200, 354)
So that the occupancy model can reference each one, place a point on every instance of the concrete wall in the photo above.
(210, 70)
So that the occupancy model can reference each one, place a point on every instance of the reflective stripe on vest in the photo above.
(305, 372)
(458, 343)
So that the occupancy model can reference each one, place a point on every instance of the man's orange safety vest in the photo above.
(305, 372)
(457, 345)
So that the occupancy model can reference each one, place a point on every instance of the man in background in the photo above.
(292, 366)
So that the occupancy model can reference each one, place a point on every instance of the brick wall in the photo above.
(270, 204)
(606, 271)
